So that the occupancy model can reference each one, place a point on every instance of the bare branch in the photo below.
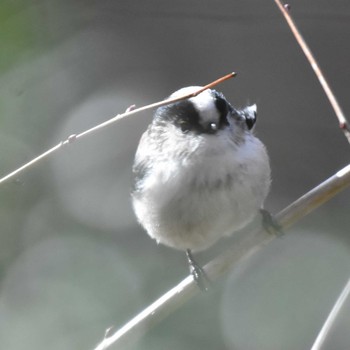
(130, 111)
(343, 123)
(327, 326)
(228, 260)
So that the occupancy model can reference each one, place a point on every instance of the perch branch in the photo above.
(343, 123)
(127, 113)
(228, 260)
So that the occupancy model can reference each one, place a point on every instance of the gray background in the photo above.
(73, 259)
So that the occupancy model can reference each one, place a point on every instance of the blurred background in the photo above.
(73, 259)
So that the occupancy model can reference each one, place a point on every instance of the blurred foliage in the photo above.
(18, 35)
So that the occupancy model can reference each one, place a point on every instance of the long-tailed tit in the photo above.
(200, 173)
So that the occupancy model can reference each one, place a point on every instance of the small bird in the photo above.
(200, 173)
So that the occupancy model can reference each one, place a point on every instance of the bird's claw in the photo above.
(270, 224)
(197, 272)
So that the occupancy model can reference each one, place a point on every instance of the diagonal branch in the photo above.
(225, 262)
(343, 123)
(129, 111)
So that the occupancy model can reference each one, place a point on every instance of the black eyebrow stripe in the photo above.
(222, 107)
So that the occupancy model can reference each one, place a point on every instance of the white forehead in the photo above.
(204, 103)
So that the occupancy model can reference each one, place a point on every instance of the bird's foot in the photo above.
(270, 224)
(197, 272)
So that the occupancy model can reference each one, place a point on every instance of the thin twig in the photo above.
(228, 260)
(327, 326)
(129, 111)
(343, 123)
(344, 126)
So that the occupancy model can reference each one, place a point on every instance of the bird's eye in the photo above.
(213, 126)
(184, 126)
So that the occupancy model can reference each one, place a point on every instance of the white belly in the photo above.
(190, 206)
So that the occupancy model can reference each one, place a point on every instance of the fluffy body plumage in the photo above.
(200, 173)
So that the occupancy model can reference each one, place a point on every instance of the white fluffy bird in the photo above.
(200, 173)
